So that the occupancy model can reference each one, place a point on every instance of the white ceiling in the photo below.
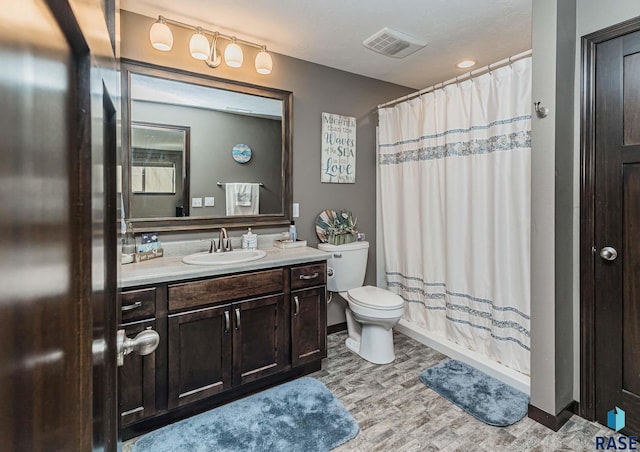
(330, 32)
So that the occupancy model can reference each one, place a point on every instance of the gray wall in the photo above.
(553, 42)
(213, 134)
(316, 89)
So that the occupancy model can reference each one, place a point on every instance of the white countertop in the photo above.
(167, 269)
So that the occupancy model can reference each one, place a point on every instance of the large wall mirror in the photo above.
(200, 152)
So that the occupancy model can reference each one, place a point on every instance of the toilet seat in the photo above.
(375, 298)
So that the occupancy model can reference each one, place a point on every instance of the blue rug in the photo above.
(480, 395)
(301, 415)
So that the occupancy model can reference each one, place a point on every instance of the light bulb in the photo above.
(160, 36)
(264, 64)
(199, 46)
(233, 54)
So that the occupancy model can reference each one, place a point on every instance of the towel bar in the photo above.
(222, 184)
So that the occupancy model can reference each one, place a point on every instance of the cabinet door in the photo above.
(308, 325)
(137, 381)
(258, 338)
(199, 354)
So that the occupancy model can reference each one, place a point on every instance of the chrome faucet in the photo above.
(224, 246)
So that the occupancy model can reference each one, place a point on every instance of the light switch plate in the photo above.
(196, 202)
(209, 201)
(296, 210)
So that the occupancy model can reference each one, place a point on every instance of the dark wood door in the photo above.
(55, 323)
(617, 227)
(259, 347)
(308, 325)
(199, 354)
(137, 382)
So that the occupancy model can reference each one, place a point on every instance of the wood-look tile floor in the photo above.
(396, 412)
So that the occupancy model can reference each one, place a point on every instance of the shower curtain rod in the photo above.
(459, 78)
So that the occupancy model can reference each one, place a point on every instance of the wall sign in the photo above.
(338, 149)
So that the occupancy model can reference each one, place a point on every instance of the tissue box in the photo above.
(285, 244)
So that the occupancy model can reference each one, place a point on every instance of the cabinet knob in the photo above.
(312, 276)
(237, 319)
(297, 303)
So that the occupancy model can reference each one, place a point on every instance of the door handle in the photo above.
(227, 322)
(608, 253)
(144, 343)
(297, 303)
(132, 306)
(237, 319)
(312, 276)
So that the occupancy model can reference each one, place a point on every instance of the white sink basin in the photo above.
(228, 257)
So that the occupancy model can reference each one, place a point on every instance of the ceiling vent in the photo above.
(393, 43)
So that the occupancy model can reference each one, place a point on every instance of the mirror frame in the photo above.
(207, 222)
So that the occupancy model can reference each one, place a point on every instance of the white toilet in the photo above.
(372, 312)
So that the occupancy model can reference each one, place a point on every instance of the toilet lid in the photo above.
(374, 297)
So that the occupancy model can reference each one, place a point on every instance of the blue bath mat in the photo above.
(301, 415)
(480, 395)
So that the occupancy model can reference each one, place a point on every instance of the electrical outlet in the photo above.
(209, 201)
(196, 202)
(296, 210)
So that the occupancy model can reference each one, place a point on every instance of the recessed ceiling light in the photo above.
(466, 63)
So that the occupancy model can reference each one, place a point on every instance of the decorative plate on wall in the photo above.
(241, 153)
(324, 223)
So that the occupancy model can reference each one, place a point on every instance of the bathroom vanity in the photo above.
(225, 331)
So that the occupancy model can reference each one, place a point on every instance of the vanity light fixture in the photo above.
(233, 54)
(199, 45)
(160, 35)
(162, 39)
(263, 62)
(464, 64)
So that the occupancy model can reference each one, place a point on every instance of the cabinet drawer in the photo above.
(138, 304)
(225, 288)
(308, 275)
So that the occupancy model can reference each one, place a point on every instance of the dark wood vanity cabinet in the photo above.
(137, 378)
(217, 348)
(199, 355)
(308, 325)
(224, 336)
(308, 313)
(258, 339)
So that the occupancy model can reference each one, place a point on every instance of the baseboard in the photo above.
(553, 422)
(337, 328)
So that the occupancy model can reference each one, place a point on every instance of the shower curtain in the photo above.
(455, 208)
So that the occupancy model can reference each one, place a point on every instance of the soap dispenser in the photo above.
(293, 236)
(249, 240)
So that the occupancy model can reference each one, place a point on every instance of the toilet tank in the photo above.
(348, 263)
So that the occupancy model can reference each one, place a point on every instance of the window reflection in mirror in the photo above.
(164, 179)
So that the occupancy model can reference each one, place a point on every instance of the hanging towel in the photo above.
(242, 198)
